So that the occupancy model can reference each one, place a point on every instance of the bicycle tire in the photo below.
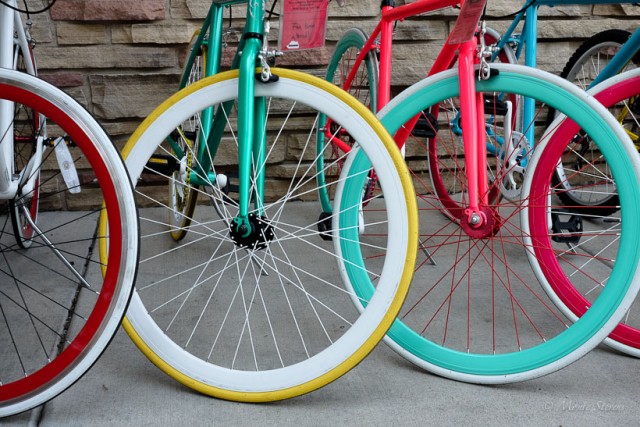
(181, 199)
(602, 47)
(619, 94)
(55, 324)
(494, 356)
(156, 322)
(364, 88)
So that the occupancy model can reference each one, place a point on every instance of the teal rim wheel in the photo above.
(475, 311)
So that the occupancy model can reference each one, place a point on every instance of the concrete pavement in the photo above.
(123, 388)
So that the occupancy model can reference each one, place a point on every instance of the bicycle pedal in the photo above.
(425, 126)
(190, 135)
(52, 141)
(569, 231)
(162, 165)
(495, 107)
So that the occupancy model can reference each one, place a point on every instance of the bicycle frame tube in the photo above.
(213, 27)
(386, 46)
(7, 19)
(508, 36)
(15, 40)
(530, 59)
(385, 27)
(390, 14)
(211, 132)
(23, 43)
(472, 115)
(529, 36)
(253, 36)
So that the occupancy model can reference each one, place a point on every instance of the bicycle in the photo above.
(474, 312)
(58, 172)
(238, 295)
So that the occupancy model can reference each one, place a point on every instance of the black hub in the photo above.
(259, 237)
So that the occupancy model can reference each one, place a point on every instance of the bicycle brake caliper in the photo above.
(484, 52)
(266, 57)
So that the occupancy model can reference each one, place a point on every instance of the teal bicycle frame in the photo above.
(529, 36)
(251, 111)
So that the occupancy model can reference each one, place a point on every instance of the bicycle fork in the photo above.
(252, 229)
(477, 217)
(7, 187)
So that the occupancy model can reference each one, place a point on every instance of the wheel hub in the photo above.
(483, 224)
(257, 238)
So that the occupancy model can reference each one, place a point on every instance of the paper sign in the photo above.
(303, 24)
(467, 22)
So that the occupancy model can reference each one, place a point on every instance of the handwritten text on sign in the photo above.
(303, 23)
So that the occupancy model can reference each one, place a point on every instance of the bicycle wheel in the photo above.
(593, 55)
(621, 95)
(57, 312)
(364, 87)
(474, 312)
(271, 319)
(182, 200)
(24, 142)
(582, 68)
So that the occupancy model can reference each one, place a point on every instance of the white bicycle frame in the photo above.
(15, 38)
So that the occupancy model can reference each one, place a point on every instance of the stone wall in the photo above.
(121, 58)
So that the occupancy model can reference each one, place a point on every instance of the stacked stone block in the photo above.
(121, 58)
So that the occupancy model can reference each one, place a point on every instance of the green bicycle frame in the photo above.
(251, 111)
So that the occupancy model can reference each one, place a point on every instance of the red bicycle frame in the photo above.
(461, 44)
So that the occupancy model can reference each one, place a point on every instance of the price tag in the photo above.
(303, 24)
(467, 22)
